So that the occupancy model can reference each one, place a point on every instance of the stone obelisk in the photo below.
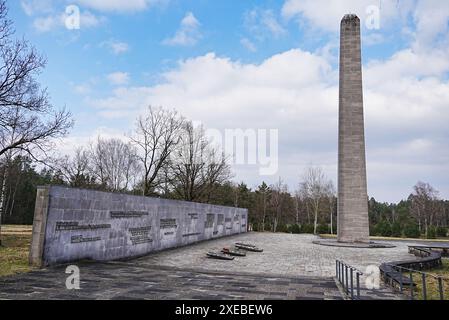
(353, 222)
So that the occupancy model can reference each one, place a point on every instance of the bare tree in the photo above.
(156, 135)
(196, 166)
(423, 205)
(297, 203)
(114, 163)
(28, 123)
(331, 196)
(76, 170)
(277, 201)
(314, 189)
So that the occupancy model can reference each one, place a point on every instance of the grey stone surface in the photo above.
(132, 280)
(289, 255)
(291, 267)
(39, 225)
(353, 223)
(87, 224)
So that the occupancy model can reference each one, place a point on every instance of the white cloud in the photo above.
(116, 47)
(32, 7)
(82, 89)
(326, 15)
(262, 23)
(118, 78)
(121, 5)
(68, 145)
(248, 44)
(47, 23)
(55, 21)
(188, 33)
(89, 20)
(431, 18)
(297, 92)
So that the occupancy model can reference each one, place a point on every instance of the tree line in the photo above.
(311, 208)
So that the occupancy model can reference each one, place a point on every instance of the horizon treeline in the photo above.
(312, 208)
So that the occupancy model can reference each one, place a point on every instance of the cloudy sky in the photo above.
(257, 65)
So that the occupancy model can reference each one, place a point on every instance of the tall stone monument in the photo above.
(353, 222)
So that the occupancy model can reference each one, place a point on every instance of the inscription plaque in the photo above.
(127, 214)
(81, 239)
(209, 223)
(74, 225)
(140, 235)
(168, 223)
(191, 234)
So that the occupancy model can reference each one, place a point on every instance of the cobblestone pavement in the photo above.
(291, 267)
(284, 254)
(133, 281)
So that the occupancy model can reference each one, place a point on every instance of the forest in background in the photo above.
(272, 208)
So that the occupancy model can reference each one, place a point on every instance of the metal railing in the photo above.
(413, 278)
(349, 278)
(408, 277)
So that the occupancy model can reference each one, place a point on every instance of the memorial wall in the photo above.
(75, 224)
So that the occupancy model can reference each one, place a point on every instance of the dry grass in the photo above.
(15, 249)
(432, 285)
(17, 229)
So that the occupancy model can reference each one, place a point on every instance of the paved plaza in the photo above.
(291, 267)
(284, 254)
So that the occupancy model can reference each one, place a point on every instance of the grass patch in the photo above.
(14, 250)
(432, 285)
(16, 229)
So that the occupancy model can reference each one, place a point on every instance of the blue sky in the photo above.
(259, 65)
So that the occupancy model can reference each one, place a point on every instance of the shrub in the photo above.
(281, 228)
(441, 232)
(411, 230)
(323, 229)
(431, 232)
(383, 229)
(294, 228)
(372, 230)
(396, 230)
(307, 228)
